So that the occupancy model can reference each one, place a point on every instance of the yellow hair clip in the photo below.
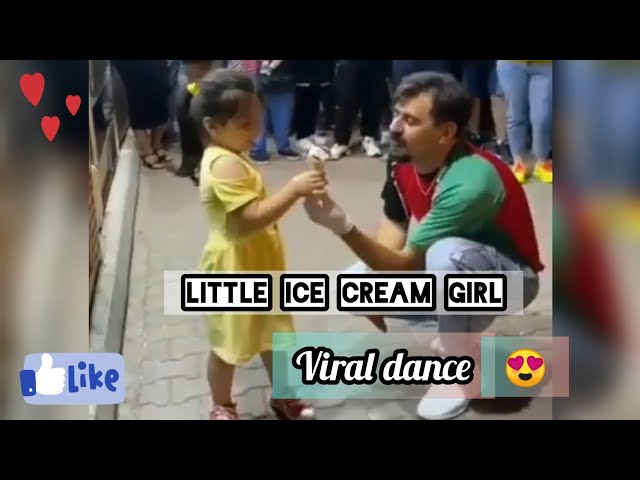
(193, 88)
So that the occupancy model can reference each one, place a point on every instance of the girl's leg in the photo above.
(541, 108)
(514, 80)
(289, 409)
(281, 108)
(220, 377)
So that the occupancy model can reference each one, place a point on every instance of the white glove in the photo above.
(321, 209)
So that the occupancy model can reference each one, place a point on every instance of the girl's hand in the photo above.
(309, 183)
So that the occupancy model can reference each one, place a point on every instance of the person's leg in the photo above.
(499, 114)
(307, 108)
(259, 154)
(348, 103)
(281, 108)
(514, 80)
(541, 108)
(462, 255)
(476, 84)
(174, 84)
(326, 120)
(401, 69)
(372, 88)
(220, 378)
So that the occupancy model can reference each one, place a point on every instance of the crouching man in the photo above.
(472, 213)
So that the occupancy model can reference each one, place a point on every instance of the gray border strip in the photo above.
(109, 311)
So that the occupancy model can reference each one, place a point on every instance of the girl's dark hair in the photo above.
(220, 94)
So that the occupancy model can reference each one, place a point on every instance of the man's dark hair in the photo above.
(220, 94)
(451, 101)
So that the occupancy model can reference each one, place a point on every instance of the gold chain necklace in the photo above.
(434, 182)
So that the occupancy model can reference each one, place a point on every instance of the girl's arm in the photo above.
(260, 214)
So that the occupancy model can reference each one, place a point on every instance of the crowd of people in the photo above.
(306, 100)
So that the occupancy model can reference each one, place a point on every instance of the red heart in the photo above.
(73, 104)
(516, 363)
(534, 363)
(50, 126)
(32, 87)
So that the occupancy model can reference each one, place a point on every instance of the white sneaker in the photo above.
(385, 139)
(339, 151)
(434, 407)
(320, 140)
(370, 147)
(306, 144)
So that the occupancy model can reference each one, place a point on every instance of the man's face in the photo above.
(415, 135)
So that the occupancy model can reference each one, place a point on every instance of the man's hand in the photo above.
(321, 209)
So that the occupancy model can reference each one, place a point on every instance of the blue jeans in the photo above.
(278, 113)
(529, 94)
(461, 255)
(604, 103)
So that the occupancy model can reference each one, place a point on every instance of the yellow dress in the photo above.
(237, 338)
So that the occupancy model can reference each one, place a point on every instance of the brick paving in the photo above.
(166, 355)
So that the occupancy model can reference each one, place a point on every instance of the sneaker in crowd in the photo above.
(289, 154)
(320, 139)
(475, 139)
(521, 172)
(292, 409)
(260, 159)
(385, 138)
(544, 171)
(503, 151)
(370, 147)
(339, 151)
(306, 144)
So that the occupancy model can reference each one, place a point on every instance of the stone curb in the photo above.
(109, 311)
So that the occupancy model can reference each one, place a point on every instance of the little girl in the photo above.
(243, 235)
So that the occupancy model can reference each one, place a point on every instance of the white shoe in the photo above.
(385, 139)
(370, 147)
(339, 151)
(434, 407)
(306, 144)
(320, 140)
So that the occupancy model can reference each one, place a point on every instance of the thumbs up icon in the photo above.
(46, 381)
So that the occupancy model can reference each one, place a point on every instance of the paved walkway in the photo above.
(165, 355)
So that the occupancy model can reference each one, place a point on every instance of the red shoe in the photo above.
(292, 409)
(220, 412)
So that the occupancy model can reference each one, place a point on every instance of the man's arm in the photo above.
(391, 234)
(380, 257)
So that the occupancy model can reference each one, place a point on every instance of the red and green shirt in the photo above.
(475, 196)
